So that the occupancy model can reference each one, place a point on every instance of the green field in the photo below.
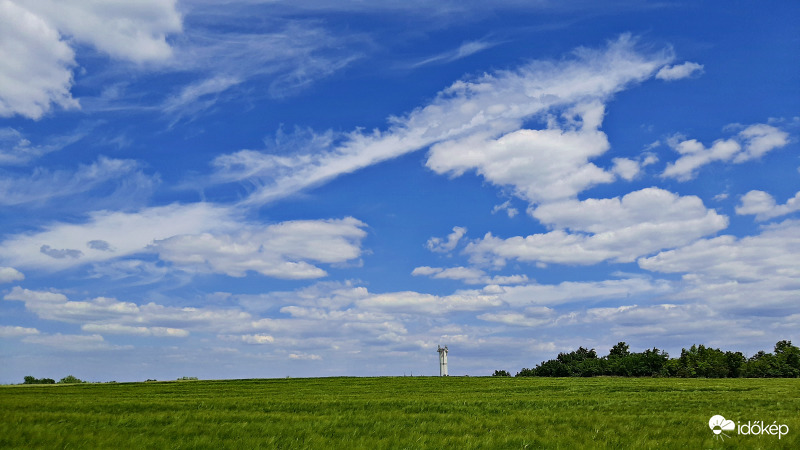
(398, 412)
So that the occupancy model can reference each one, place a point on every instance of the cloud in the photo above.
(60, 253)
(114, 328)
(506, 206)
(541, 165)
(440, 245)
(8, 331)
(751, 143)
(615, 229)
(135, 31)
(10, 274)
(763, 206)
(39, 36)
(281, 250)
(468, 275)
(127, 233)
(257, 339)
(72, 342)
(464, 50)
(473, 113)
(105, 315)
(770, 254)
(43, 186)
(41, 73)
(679, 71)
(17, 149)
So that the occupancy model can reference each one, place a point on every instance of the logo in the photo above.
(719, 425)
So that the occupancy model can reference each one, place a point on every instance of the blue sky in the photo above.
(307, 188)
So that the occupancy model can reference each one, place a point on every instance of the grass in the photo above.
(399, 412)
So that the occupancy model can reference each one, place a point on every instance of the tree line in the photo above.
(69, 379)
(698, 361)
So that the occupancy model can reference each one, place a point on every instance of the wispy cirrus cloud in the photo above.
(462, 51)
(471, 112)
(42, 185)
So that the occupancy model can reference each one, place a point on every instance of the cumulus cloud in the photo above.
(127, 233)
(763, 206)
(72, 342)
(10, 274)
(475, 113)
(751, 143)
(541, 165)
(440, 245)
(679, 71)
(103, 315)
(596, 230)
(35, 64)
(135, 31)
(281, 250)
(468, 275)
(39, 35)
(115, 328)
(772, 253)
(8, 331)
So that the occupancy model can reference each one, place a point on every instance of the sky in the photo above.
(270, 188)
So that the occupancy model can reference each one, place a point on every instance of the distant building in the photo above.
(442, 361)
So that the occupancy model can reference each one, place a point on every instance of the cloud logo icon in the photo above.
(718, 424)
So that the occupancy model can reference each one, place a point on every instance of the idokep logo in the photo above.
(719, 425)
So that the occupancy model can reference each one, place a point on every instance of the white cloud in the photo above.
(626, 168)
(582, 291)
(468, 275)
(281, 250)
(464, 50)
(440, 245)
(616, 229)
(35, 64)
(769, 255)
(541, 165)
(115, 328)
(8, 331)
(305, 356)
(763, 206)
(759, 139)
(37, 39)
(475, 112)
(751, 143)
(256, 339)
(506, 206)
(410, 302)
(105, 315)
(679, 71)
(126, 233)
(43, 185)
(9, 274)
(135, 31)
(71, 342)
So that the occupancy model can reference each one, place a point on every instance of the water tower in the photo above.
(442, 361)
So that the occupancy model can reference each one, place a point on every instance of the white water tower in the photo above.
(442, 361)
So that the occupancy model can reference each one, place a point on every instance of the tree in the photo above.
(31, 380)
(501, 373)
(70, 379)
(788, 359)
(619, 350)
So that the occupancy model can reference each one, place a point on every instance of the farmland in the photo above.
(398, 412)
